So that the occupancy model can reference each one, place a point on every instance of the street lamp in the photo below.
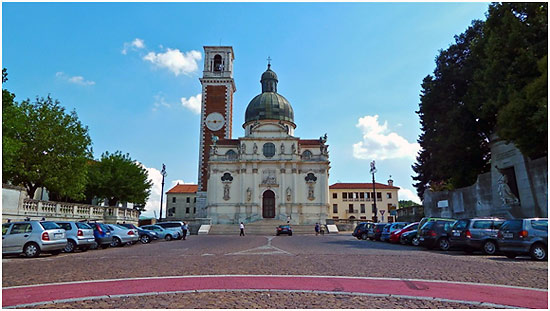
(374, 210)
(163, 173)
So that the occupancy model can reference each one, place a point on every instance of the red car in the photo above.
(394, 236)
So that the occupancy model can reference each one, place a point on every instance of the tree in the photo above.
(407, 203)
(46, 147)
(12, 124)
(118, 178)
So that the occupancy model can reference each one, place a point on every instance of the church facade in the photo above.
(268, 173)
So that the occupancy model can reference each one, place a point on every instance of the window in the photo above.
(379, 195)
(388, 195)
(5, 228)
(306, 155)
(461, 225)
(350, 208)
(48, 225)
(344, 195)
(350, 195)
(188, 199)
(514, 225)
(187, 210)
(231, 155)
(361, 195)
(269, 150)
(539, 224)
(497, 224)
(335, 195)
(362, 208)
(194, 210)
(81, 225)
(368, 195)
(65, 226)
(335, 208)
(218, 63)
(173, 199)
(482, 224)
(21, 228)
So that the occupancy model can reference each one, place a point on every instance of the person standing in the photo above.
(184, 228)
(241, 226)
(317, 228)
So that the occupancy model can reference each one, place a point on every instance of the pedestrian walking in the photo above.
(184, 228)
(241, 226)
(317, 228)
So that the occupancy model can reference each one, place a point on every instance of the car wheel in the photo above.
(31, 250)
(538, 252)
(104, 246)
(444, 244)
(168, 237)
(145, 239)
(54, 253)
(415, 241)
(116, 242)
(489, 248)
(364, 236)
(402, 240)
(70, 246)
(510, 255)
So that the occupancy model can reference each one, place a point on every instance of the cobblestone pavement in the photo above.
(261, 300)
(336, 255)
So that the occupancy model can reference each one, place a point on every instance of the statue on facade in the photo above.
(288, 194)
(243, 148)
(226, 192)
(282, 148)
(311, 192)
(255, 149)
(505, 192)
(248, 194)
(269, 177)
(293, 148)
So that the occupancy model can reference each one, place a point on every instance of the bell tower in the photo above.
(218, 87)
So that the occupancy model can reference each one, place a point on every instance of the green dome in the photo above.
(269, 105)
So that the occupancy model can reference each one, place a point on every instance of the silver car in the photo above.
(174, 226)
(166, 234)
(79, 235)
(32, 237)
(122, 235)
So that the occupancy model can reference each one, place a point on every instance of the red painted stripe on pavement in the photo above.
(524, 298)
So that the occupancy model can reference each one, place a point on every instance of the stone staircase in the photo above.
(262, 227)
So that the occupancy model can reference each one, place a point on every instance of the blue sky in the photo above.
(351, 70)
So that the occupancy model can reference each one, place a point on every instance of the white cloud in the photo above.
(75, 79)
(379, 143)
(160, 101)
(175, 61)
(134, 45)
(192, 103)
(407, 194)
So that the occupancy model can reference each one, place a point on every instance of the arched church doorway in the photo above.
(268, 204)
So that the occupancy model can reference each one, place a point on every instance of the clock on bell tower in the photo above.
(218, 87)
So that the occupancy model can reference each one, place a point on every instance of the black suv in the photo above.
(361, 230)
(476, 234)
(436, 234)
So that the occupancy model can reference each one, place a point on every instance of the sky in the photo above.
(131, 72)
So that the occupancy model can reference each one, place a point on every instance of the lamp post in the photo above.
(163, 173)
(374, 210)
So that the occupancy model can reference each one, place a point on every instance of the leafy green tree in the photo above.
(407, 203)
(45, 147)
(12, 124)
(118, 178)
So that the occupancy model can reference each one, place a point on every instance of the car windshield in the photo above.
(81, 225)
(120, 227)
(428, 225)
(48, 225)
(286, 227)
(514, 225)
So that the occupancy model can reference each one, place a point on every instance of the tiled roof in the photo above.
(184, 188)
(314, 142)
(367, 186)
(224, 142)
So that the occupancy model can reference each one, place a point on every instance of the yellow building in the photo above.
(355, 201)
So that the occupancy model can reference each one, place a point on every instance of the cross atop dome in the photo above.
(268, 62)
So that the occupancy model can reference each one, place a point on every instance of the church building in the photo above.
(268, 173)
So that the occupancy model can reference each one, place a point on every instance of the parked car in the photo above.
(376, 231)
(424, 220)
(391, 227)
(145, 236)
(79, 235)
(410, 237)
(436, 234)
(102, 234)
(395, 236)
(361, 230)
(476, 234)
(174, 226)
(524, 236)
(166, 234)
(122, 235)
(284, 229)
(32, 237)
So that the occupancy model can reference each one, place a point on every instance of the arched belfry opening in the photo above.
(268, 204)
(218, 65)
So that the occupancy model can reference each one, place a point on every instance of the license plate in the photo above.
(58, 235)
(421, 239)
(108, 233)
(456, 233)
(508, 235)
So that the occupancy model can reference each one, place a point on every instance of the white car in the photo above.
(32, 237)
(122, 235)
